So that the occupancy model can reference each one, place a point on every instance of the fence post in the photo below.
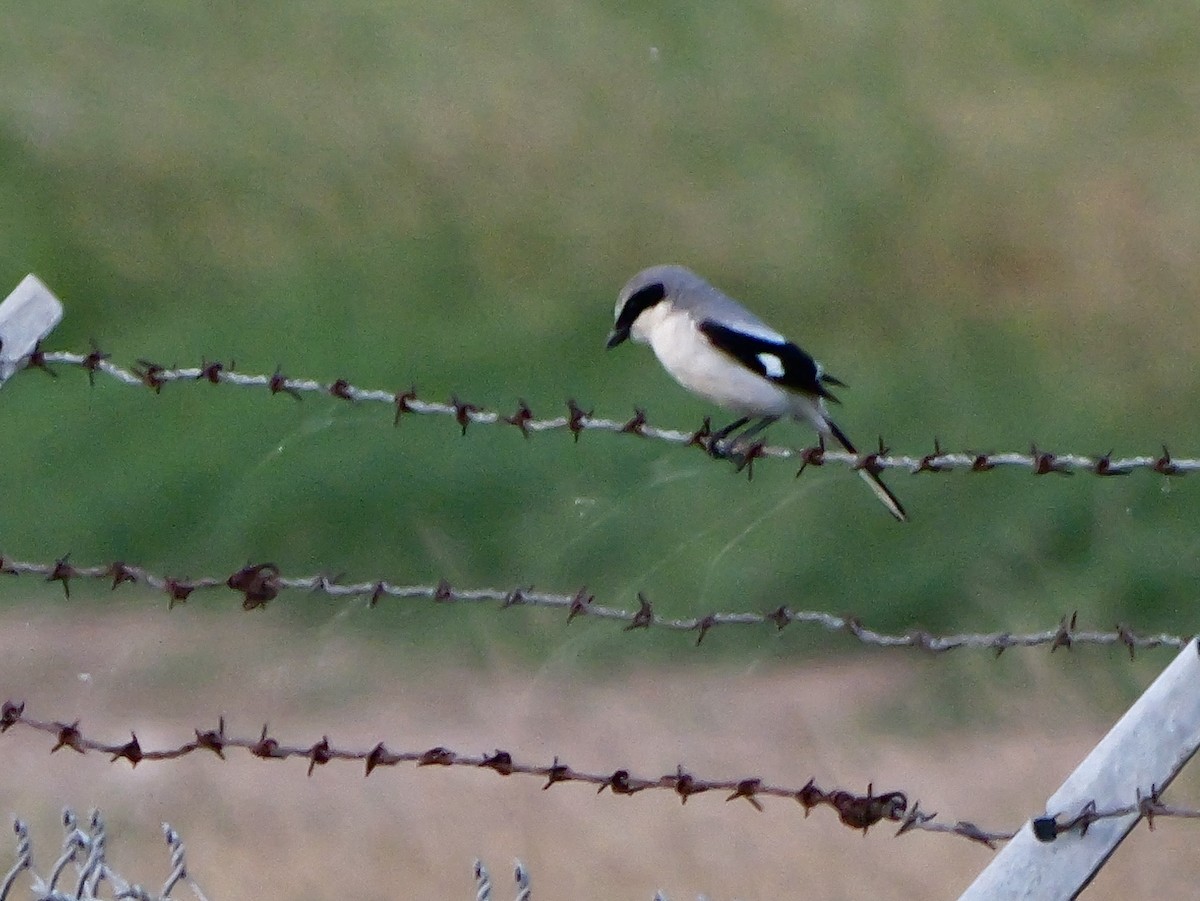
(1141, 754)
(27, 316)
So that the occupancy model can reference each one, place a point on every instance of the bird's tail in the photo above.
(872, 479)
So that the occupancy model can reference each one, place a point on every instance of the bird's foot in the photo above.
(722, 448)
(743, 455)
(718, 448)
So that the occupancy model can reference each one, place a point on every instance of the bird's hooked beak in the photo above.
(617, 336)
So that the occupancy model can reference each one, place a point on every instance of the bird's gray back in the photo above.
(689, 292)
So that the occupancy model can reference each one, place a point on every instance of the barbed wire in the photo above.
(855, 811)
(859, 812)
(577, 420)
(85, 848)
(261, 583)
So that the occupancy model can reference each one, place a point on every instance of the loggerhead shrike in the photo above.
(716, 348)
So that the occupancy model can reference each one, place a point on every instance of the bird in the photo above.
(717, 349)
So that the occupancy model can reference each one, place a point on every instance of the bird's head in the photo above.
(646, 290)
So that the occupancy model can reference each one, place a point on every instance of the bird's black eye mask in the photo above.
(640, 301)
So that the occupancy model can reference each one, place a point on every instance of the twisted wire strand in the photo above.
(85, 846)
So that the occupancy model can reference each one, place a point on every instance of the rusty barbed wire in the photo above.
(855, 811)
(261, 583)
(85, 848)
(576, 420)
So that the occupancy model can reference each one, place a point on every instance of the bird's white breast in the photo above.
(698, 366)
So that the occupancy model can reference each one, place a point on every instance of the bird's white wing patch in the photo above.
(772, 365)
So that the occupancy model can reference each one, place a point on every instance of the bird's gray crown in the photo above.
(687, 291)
(676, 281)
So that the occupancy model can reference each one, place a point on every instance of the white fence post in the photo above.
(27, 316)
(1140, 755)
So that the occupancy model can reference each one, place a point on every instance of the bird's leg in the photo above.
(715, 439)
(738, 453)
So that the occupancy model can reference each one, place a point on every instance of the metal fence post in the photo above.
(1139, 756)
(27, 316)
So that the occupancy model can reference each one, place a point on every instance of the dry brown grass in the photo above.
(261, 829)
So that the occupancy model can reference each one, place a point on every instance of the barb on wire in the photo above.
(859, 812)
(576, 420)
(260, 583)
(85, 848)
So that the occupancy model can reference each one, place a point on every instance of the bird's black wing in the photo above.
(783, 363)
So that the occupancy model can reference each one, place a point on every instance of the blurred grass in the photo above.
(985, 220)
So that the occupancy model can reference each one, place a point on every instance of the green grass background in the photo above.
(985, 220)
